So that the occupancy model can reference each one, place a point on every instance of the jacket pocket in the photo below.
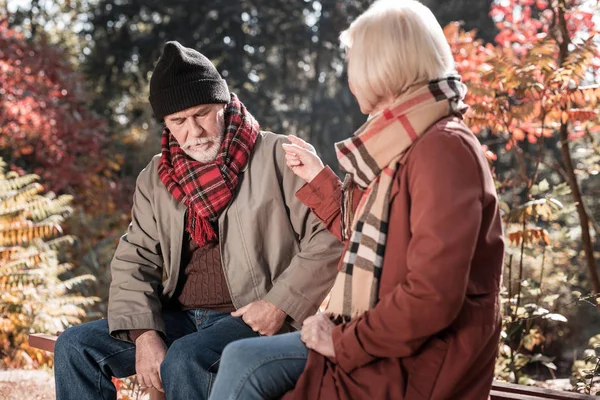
(424, 368)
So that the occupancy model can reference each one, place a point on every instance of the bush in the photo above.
(32, 253)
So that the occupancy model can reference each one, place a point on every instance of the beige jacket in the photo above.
(272, 247)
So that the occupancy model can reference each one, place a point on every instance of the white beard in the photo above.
(205, 156)
(209, 155)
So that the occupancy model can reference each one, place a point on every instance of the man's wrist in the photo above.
(277, 309)
(134, 334)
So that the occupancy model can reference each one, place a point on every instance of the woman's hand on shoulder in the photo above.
(301, 157)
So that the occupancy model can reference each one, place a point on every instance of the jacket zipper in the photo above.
(179, 249)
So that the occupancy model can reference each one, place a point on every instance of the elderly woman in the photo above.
(414, 311)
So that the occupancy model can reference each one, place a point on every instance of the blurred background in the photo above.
(76, 129)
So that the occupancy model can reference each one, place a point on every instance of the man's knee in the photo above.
(75, 339)
(179, 360)
(68, 345)
(68, 341)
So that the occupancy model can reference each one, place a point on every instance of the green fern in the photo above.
(7, 185)
(33, 298)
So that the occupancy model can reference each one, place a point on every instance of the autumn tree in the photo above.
(534, 98)
(535, 94)
(47, 128)
(45, 125)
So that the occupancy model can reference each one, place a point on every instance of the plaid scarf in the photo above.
(371, 158)
(206, 189)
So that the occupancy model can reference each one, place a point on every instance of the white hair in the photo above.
(392, 46)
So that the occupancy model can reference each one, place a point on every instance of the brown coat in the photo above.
(434, 332)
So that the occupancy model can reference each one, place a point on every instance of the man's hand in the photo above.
(262, 316)
(317, 335)
(150, 351)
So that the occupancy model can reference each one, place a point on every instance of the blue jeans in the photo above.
(86, 356)
(260, 368)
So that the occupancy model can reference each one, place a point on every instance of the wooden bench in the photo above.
(500, 390)
(46, 342)
(511, 391)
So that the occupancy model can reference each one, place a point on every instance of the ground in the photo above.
(18, 384)
(26, 385)
(39, 385)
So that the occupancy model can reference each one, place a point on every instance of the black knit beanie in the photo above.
(184, 78)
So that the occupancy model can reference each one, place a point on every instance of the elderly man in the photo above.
(218, 249)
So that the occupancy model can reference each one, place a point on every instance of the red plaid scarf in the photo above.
(206, 189)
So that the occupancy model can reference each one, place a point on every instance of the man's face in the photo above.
(199, 130)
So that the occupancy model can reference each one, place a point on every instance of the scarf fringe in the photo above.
(201, 230)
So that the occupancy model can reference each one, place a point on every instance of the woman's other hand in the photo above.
(317, 335)
(302, 158)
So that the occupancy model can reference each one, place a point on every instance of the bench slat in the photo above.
(500, 395)
(503, 387)
(43, 341)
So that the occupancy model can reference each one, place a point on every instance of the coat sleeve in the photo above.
(301, 288)
(446, 192)
(323, 196)
(136, 269)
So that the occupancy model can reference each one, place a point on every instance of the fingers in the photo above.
(241, 311)
(323, 319)
(298, 157)
(293, 162)
(311, 320)
(150, 379)
(313, 329)
(250, 322)
(292, 159)
(142, 381)
(305, 163)
(299, 142)
(309, 337)
(316, 339)
(295, 150)
(155, 382)
(270, 330)
(264, 317)
(249, 318)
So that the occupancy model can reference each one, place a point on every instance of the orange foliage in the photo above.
(518, 89)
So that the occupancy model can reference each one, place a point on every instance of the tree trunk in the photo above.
(35, 4)
(584, 220)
